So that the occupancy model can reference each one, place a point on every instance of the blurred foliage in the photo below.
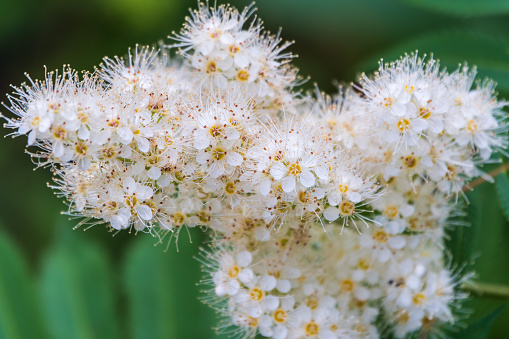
(55, 283)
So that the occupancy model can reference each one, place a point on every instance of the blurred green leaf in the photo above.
(162, 292)
(464, 7)
(20, 311)
(463, 239)
(79, 294)
(502, 185)
(488, 53)
(481, 328)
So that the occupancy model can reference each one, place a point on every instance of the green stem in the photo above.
(488, 290)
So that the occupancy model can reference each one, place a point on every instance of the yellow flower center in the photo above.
(391, 211)
(312, 303)
(380, 236)
(230, 188)
(81, 148)
(304, 197)
(178, 218)
(312, 329)
(388, 102)
(343, 188)
(419, 299)
(280, 316)
(346, 285)
(347, 208)
(60, 133)
(218, 153)
(131, 201)
(215, 131)
(234, 272)
(256, 294)
(211, 67)
(363, 264)
(409, 161)
(472, 126)
(243, 75)
(403, 125)
(294, 169)
(234, 49)
(253, 322)
(424, 113)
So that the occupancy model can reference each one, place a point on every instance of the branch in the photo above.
(487, 290)
(481, 180)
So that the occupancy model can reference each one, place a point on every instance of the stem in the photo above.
(488, 290)
(480, 180)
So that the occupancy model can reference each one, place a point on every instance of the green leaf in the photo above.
(481, 328)
(502, 185)
(162, 292)
(490, 54)
(20, 309)
(79, 296)
(464, 7)
(463, 239)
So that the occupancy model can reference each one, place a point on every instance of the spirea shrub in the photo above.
(327, 213)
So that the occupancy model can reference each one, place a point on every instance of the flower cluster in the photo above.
(328, 213)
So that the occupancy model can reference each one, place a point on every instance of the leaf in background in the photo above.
(481, 328)
(502, 185)
(78, 290)
(463, 240)
(20, 308)
(162, 292)
(488, 53)
(464, 7)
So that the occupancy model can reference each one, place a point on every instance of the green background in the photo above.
(56, 283)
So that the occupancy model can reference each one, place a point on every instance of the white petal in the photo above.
(201, 140)
(143, 144)
(265, 187)
(255, 310)
(144, 192)
(322, 172)
(355, 197)
(129, 185)
(202, 157)
(241, 60)
(232, 133)
(288, 184)
(397, 242)
(271, 302)
(268, 283)
(154, 173)
(307, 179)
(216, 170)
(58, 148)
(232, 287)
(83, 133)
(284, 285)
(125, 134)
(84, 163)
(419, 125)
(280, 332)
(246, 276)
(144, 212)
(331, 213)
(234, 158)
(278, 171)
(244, 258)
(318, 193)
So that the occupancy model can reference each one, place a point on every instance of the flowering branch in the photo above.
(328, 212)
